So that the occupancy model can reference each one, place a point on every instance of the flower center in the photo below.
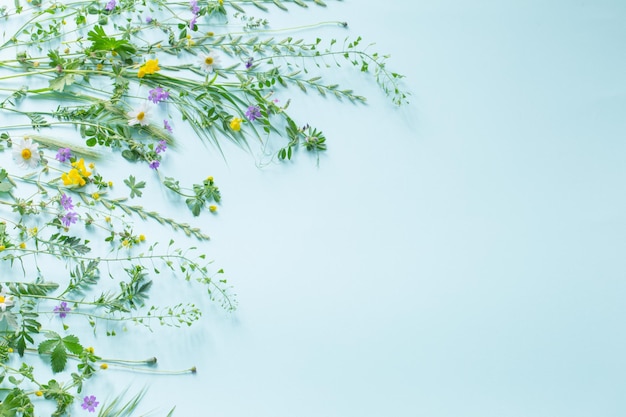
(208, 60)
(26, 153)
(141, 115)
(2, 298)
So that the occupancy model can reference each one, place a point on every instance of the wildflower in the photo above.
(63, 154)
(110, 6)
(90, 350)
(92, 165)
(2, 248)
(26, 153)
(161, 147)
(212, 209)
(235, 124)
(166, 126)
(62, 310)
(194, 6)
(69, 218)
(249, 63)
(80, 166)
(156, 95)
(253, 113)
(150, 67)
(5, 301)
(142, 238)
(139, 116)
(107, 219)
(36, 64)
(99, 67)
(33, 231)
(104, 366)
(125, 243)
(209, 62)
(154, 164)
(192, 24)
(22, 245)
(95, 196)
(221, 2)
(38, 393)
(90, 403)
(66, 202)
(148, 19)
(73, 178)
(210, 34)
(209, 179)
(110, 183)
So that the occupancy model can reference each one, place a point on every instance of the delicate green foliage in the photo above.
(135, 188)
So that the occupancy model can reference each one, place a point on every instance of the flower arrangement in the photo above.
(82, 81)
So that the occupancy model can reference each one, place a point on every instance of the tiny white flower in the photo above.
(5, 301)
(208, 62)
(140, 116)
(26, 153)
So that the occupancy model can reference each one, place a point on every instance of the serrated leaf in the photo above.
(58, 358)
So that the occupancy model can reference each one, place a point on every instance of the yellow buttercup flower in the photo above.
(235, 124)
(73, 178)
(142, 238)
(212, 209)
(150, 67)
(38, 393)
(80, 166)
(104, 366)
(95, 196)
(22, 245)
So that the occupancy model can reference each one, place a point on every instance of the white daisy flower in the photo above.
(208, 62)
(140, 116)
(5, 301)
(26, 153)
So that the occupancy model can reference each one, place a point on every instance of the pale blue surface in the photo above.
(459, 257)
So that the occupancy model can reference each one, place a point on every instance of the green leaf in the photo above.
(58, 358)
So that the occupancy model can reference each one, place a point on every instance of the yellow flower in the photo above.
(125, 243)
(73, 178)
(221, 2)
(104, 366)
(90, 350)
(107, 219)
(210, 34)
(142, 238)
(150, 67)
(38, 393)
(92, 165)
(33, 231)
(66, 50)
(10, 350)
(212, 209)
(235, 124)
(35, 64)
(2, 247)
(95, 196)
(22, 245)
(110, 183)
(209, 179)
(80, 166)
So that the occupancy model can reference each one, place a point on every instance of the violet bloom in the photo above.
(249, 63)
(194, 6)
(69, 218)
(90, 403)
(156, 95)
(161, 146)
(192, 22)
(66, 202)
(148, 19)
(253, 113)
(110, 5)
(154, 164)
(166, 126)
(62, 310)
(63, 154)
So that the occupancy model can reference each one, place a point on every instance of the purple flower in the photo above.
(194, 6)
(154, 164)
(161, 146)
(166, 126)
(148, 19)
(66, 202)
(253, 113)
(62, 310)
(110, 5)
(90, 403)
(192, 22)
(157, 95)
(64, 154)
(69, 218)
(249, 63)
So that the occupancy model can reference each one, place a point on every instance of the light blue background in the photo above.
(462, 256)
